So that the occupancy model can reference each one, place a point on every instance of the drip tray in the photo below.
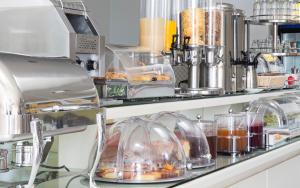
(206, 91)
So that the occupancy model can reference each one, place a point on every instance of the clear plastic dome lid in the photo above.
(140, 151)
(290, 106)
(190, 135)
(272, 114)
(231, 121)
(270, 65)
(136, 66)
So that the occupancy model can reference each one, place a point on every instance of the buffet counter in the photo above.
(254, 170)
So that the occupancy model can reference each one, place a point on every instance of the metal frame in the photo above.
(100, 144)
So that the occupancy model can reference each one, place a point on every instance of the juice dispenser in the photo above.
(157, 25)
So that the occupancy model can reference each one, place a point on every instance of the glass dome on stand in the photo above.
(140, 151)
(281, 117)
(190, 135)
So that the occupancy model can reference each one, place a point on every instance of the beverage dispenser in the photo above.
(212, 69)
(192, 36)
(157, 25)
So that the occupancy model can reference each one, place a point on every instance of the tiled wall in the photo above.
(291, 62)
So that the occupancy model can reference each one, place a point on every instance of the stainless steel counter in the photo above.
(62, 179)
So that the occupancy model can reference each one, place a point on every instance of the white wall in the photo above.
(99, 10)
(118, 19)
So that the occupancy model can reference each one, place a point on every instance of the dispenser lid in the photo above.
(273, 115)
(190, 135)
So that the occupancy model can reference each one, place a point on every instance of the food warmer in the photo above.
(40, 98)
(281, 116)
(190, 135)
(52, 28)
(136, 73)
(141, 151)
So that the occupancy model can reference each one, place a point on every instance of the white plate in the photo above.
(253, 91)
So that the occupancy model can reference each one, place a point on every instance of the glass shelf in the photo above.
(271, 19)
(60, 180)
(140, 107)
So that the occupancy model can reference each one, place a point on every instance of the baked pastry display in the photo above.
(191, 137)
(138, 77)
(150, 78)
(115, 76)
(140, 151)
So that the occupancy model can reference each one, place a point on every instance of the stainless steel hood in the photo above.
(58, 93)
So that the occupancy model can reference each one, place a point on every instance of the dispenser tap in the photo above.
(177, 55)
(3, 160)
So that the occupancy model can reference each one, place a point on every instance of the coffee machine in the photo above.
(233, 40)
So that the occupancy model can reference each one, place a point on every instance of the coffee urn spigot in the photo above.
(193, 56)
(3, 160)
(176, 51)
(250, 66)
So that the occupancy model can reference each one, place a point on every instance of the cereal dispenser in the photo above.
(212, 69)
(192, 36)
(200, 36)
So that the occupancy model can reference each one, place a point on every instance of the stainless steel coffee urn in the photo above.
(233, 40)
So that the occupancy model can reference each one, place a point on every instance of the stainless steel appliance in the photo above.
(43, 97)
(233, 40)
(23, 154)
(212, 72)
(43, 92)
(199, 48)
(239, 72)
(3, 161)
(52, 28)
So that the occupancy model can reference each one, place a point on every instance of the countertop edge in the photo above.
(246, 169)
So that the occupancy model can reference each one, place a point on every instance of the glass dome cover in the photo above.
(146, 74)
(140, 151)
(273, 115)
(290, 106)
(190, 135)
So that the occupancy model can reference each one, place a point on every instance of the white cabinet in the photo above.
(284, 175)
(257, 181)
